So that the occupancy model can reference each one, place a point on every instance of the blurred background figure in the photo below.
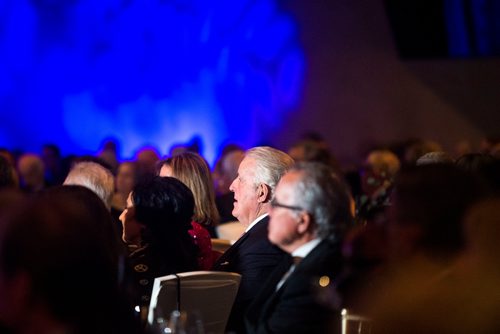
(59, 266)
(425, 238)
(125, 180)
(225, 171)
(146, 160)
(376, 178)
(8, 155)
(195, 145)
(95, 177)
(434, 158)
(483, 166)
(31, 172)
(313, 147)
(474, 163)
(8, 174)
(54, 171)
(109, 154)
(192, 170)
(155, 227)
(417, 148)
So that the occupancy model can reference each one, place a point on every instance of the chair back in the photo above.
(208, 294)
(230, 231)
(220, 245)
(355, 323)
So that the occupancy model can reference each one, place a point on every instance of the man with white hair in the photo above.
(310, 211)
(94, 177)
(253, 256)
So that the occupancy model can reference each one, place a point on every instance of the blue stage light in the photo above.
(145, 72)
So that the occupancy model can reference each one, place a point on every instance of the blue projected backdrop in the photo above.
(146, 72)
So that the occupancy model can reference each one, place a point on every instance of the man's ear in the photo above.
(263, 193)
(305, 222)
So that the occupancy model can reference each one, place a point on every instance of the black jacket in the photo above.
(301, 305)
(254, 257)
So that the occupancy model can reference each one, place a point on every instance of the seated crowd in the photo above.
(408, 239)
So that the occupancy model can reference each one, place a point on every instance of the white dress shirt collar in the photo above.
(258, 219)
(306, 248)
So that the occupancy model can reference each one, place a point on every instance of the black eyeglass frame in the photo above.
(275, 204)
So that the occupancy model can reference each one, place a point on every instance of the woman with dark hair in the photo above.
(192, 170)
(155, 227)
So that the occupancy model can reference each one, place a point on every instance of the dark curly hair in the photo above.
(164, 205)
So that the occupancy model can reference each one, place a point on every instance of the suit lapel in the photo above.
(225, 259)
(268, 293)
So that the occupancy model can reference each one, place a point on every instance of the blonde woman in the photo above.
(192, 169)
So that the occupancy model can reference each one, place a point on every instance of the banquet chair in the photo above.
(355, 323)
(220, 245)
(230, 231)
(208, 295)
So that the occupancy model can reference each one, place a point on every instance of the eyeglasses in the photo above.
(275, 204)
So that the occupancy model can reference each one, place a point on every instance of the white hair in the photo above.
(95, 177)
(271, 164)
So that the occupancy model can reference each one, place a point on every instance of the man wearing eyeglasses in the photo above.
(308, 214)
(253, 255)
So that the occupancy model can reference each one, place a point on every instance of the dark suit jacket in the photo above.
(254, 257)
(297, 306)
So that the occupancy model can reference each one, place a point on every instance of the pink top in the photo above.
(202, 239)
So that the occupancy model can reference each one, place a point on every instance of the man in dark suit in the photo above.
(253, 256)
(309, 212)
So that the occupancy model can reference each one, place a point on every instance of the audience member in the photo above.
(225, 172)
(495, 151)
(126, 178)
(146, 160)
(94, 177)
(8, 175)
(31, 172)
(312, 149)
(192, 170)
(109, 154)
(155, 227)
(464, 299)
(417, 148)
(59, 262)
(434, 158)
(309, 214)
(253, 256)
(376, 176)
(8, 155)
(484, 166)
(425, 235)
(474, 162)
(54, 173)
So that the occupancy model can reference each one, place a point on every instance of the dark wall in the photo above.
(359, 93)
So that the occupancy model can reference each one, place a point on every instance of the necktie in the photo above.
(296, 261)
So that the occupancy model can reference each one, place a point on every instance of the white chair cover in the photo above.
(208, 294)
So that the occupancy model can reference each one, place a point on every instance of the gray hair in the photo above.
(271, 164)
(95, 177)
(434, 158)
(323, 194)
